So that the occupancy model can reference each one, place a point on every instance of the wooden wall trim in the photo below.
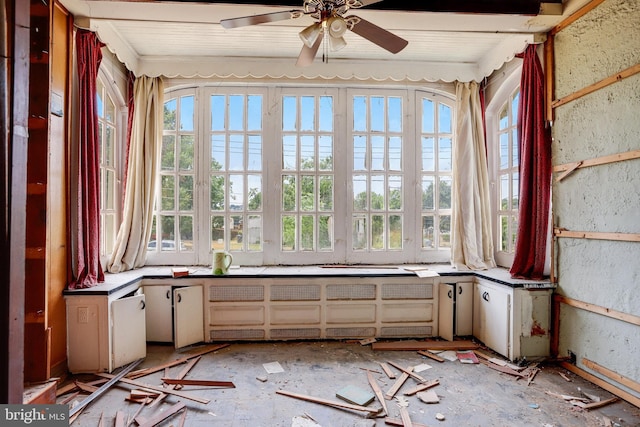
(596, 235)
(608, 312)
(620, 379)
(575, 16)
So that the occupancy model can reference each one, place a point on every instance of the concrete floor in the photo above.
(470, 395)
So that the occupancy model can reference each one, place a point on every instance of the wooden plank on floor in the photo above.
(396, 386)
(185, 359)
(601, 383)
(422, 387)
(160, 389)
(412, 345)
(387, 370)
(161, 416)
(207, 383)
(397, 422)
(408, 371)
(431, 355)
(377, 391)
(183, 373)
(326, 402)
(120, 419)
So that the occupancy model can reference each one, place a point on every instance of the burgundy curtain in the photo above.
(535, 172)
(87, 269)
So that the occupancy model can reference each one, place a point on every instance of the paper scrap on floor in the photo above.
(467, 357)
(273, 367)
(449, 355)
(421, 367)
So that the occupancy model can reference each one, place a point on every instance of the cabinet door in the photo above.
(464, 308)
(445, 310)
(188, 316)
(159, 318)
(129, 334)
(493, 307)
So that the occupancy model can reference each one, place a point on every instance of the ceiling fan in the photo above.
(329, 28)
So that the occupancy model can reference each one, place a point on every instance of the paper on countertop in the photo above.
(273, 367)
(422, 271)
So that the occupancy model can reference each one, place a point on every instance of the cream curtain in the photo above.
(146, 138)
(471, 238)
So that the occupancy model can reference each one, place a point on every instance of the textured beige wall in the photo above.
(603, 198)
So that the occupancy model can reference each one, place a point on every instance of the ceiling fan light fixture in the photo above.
(337, 26)
(337, 43)
(310, 34)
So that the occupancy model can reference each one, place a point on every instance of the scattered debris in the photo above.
(422, 387)
(467, 356)
(207, 383)
(431, 355)
(428, 396)
(439, 417)
(534, 405)
(160, 389)
(565, 377)
(404, 415)
(303, 421)
(401, 401)
(262, 378)
(532, 375)
(273, 367)
(421, 367)
(396, 386)
(378, 392)
(408, 371)
(409, 345)
(367, 341)
(449, 355)
(355, 395)
(387, 370)
(336, 404)
(398, 422)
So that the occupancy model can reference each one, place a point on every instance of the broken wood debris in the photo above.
(422, 387)
(397, 385)
(414, 345)
(183, 373)
(428, 396)
(207, 383)
(406, 419)
(185, 359)
(327, 402)
(408, 371)
(161, 416)
(398, 422)
(430, 355)
(566, 378)
(387, 370)
(160, 389)
(377, 391)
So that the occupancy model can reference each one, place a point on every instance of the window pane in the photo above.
(445, 231)
(307, 113)
(428, 237)
(395, 114)
(288, 233)
(504, 233)
(109, 190)
(110, 232)
(236, 112)
(515, 191)
(325, 153)
(186, 152)
(254, 112)
(359, 113)
(236, 152)
(395, 153)
(288, 193)
(170, 108)
(306, 232)
(325, 238)
(444, 154)
(514, 232)
(307, 152)
(218, 153)
(503, 118)
(236, 233)
(444, 116)
(377, 232)
(359, 233)
(326, 193)
(217, 233)
(236, 193)
(307, 193)
(377, 153)
(395, 231)
(255, 153)
(168, 233)
(167, 157)
(444, 199)
(359, 153)
(395, 193)
(428, 114)
(186, 113)
(515, 149)
(186, 192)
(428, 192)
(377, 192)
(428, 156)
(218, 109)
(504, 150)
(99, 98)
(359, 193)
(253, 233)
(326, 114)
(109, 146)
(217, 192)
(254, 202)
(514, 107)
(377, 119)
(186, 233)
(110, 110)
(504, 193)
(289, 152)
(168, 192)
(289, 113)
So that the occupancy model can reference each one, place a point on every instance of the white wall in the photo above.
(602, 198)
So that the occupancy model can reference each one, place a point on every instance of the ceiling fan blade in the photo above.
(377, 35)
(308, 54)
(261, 19)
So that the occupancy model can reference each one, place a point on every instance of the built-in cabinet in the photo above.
(455, 315)
(514, 322)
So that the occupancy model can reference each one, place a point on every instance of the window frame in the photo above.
(272, 254)
(502, 97)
